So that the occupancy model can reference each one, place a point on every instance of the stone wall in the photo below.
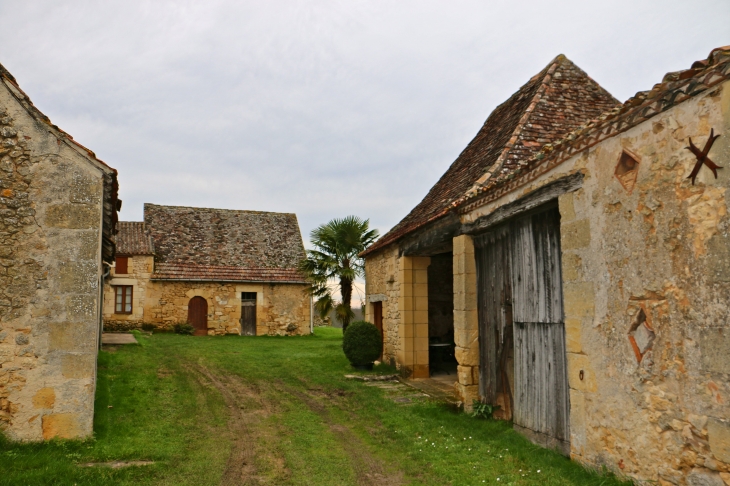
(281, 309)
(413, 309)
(647, 285)
(466, 323)
(50, 269)
(646, 282)
(381, 271)
(139, 269)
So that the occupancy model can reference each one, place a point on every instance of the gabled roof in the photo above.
(112, 203)
(222, 240)
(133, 239)
(553, 103)
(675, 88)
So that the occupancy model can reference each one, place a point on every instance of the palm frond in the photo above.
(336, 246)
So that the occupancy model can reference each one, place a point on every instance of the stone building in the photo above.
(223, 271)
(58, 210)
(587, 246)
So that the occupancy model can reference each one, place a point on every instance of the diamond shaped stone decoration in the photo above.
(627, 170)
(641, 336)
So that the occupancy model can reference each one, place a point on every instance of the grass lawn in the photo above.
(277, 411)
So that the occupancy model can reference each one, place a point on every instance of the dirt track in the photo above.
(248, 408)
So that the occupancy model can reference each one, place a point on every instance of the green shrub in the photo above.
(483, 410)
(362, 343)
(184, 328)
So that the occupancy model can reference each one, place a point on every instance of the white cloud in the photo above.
(321, 108)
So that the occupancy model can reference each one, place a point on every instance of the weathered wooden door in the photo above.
(521, 326)
(378, 318)
(494, 303)
(541, 379)
(198, 315)
(248, 314)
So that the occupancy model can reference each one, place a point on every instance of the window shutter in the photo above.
(121, 265)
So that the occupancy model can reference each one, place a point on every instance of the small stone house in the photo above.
(585, 245)
(58, 210)
(222, 271)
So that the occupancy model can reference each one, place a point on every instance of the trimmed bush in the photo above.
(362, 343)
(184, 328)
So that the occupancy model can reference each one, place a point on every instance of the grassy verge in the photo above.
(268, 410)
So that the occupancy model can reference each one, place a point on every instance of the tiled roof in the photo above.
(675, 88)
(112, 204)
(551, 104)
(183, 271)
(224, 238)
(133, 239)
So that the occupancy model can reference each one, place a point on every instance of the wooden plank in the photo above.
(533, 201)
(541, 395)
(492, 254)
(541, 382)
(536, 276)
(518, 263)
(434, 238)
(248, 318)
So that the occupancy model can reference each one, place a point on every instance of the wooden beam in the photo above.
(539, 197)
(433, 239)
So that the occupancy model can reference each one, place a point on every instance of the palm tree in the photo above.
(337, 245)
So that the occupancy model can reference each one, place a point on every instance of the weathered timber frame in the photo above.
(546, 194)
(523, 361)
(433, 239)
(522, 349)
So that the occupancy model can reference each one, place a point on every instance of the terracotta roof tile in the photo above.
(186, 271)
(675, 88)
(551, 104)
(224, 238)
(133, 239)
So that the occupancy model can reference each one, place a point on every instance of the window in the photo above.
(248, 296)
(122, 299)
(120, 266)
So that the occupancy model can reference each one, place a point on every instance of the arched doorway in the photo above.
(198, 315)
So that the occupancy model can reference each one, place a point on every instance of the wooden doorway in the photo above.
(521, 326)
(378, 318)
(198, 315)
(248, 313)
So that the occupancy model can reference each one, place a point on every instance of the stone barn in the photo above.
(587, 248)
(222, 271)
(58, 210)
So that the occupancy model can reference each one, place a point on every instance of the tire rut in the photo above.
(369, 470)
(246, 408)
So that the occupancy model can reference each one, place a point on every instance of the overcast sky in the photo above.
(319, 108)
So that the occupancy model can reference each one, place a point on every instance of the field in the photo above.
(275, 411)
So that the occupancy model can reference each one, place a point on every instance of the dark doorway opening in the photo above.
(198, 315)
(441, 315)
(248, 313)
(378, 318)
